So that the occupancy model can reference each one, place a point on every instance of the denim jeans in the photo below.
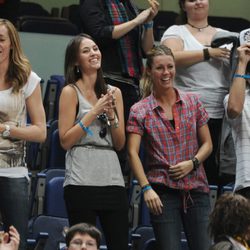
(14, 205)
(188, 212)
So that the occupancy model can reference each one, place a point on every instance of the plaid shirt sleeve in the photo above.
(202, 115)
(135, 123)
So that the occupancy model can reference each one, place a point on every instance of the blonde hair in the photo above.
(146, 85)
(19, 66)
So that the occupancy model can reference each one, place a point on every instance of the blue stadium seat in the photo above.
(150, 244)
(54, 201)
(56, 152)
(39, 191)
(140, 235)
(227, 188)
(53, 227)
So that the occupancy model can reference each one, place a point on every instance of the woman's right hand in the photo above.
(153, 202)
(104, 104)
(11, 240)
(219, 53)
(143, 16)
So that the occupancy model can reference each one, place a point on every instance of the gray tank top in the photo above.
(92, 161)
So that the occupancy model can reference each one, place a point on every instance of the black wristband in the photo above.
(196, 163)
(206, 54)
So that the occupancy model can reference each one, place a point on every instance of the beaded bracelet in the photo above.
(242, 76)
(87, 130)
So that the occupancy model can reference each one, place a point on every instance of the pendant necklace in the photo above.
(199, 29)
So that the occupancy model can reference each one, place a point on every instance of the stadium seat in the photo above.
(39, 194)
(213, 195)
(56, 152)
(54, 204)
(72, 13)
(150, 244)
(49, 25)
(140, 235)
(53, 227)
(234, 24)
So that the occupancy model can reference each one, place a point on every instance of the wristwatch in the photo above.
(6, 132)
(196, 163)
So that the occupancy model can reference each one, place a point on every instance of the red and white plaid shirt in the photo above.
(165, 145)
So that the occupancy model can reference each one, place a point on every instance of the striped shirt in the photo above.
(166, 145)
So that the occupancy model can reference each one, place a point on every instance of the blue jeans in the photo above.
(14, 205)
(182, 211)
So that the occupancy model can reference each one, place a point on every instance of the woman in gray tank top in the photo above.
(91, 128)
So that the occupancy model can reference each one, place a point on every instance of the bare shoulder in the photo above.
(115, 90)
(68, 90)
(69, 95)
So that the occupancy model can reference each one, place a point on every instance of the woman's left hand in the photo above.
(180, 170)
(112, 104)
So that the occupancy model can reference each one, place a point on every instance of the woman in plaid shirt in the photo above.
(173, 126)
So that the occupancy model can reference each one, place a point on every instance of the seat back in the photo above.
(52, 125)
(51, 99)
(150, 244)
(32, 9)
(49, 25)
(162, 21)
(140, 236)
(56, 152)
(234, 24)
(54, 226)
(229, 188)
(134, 203)
(37, 205)
(54, 201)
(72, 12)
(213, 195)
(60, 84)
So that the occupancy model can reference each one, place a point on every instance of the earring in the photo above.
(77, 69)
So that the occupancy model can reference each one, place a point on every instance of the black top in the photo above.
(97, 22)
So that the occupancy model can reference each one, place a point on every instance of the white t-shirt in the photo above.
(209, 79)
(13, 112)
(241, 136)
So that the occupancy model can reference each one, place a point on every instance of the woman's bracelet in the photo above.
(206, 54)
(87, 130)
(111, 119)
(145, 188)
(148, 25)
(116, 122)
(242, 76)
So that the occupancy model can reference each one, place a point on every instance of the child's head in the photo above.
(230, 217)
(83, 233)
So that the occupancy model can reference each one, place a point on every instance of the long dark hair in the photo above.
(71, 71)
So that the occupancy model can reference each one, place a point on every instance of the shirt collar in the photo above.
(154, 103)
